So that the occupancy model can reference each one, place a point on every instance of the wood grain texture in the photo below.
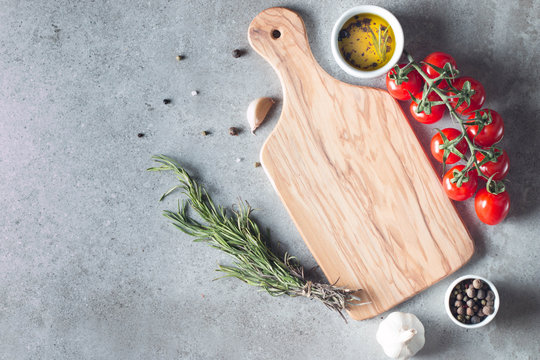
(354, 178)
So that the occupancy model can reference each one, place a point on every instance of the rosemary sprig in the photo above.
(380, 41)
(239, 236)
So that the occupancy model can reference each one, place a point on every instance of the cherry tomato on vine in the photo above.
(414, 84)
(491, 209)
(499, 169)
(437, 111)
(437, 140)
(491, 133)
(477, 99)
(438, 59)
(466, 190)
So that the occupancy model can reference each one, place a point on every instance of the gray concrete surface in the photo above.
(89, 269)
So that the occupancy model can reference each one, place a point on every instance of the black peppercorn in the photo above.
(488, 310)
(233, 131)
(471, 292)
(140, 135)
(481, 294)
(236, 53)
(477, 284)
(167, 101)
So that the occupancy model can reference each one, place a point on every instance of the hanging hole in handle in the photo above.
(276, 34)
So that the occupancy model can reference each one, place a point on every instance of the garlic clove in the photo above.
(257, 111)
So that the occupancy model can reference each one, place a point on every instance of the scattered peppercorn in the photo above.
(140, 135)
(233, 131)
(179, 57)
(257, 164)
(237, 53)
(205, 133)
(194, 93)
(167, 101)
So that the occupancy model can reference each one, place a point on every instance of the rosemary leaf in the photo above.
(239, 236)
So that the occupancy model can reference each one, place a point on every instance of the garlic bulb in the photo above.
(401, 335)
(257, 110)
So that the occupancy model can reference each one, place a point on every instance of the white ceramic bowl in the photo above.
(392, 21)
(488, 319)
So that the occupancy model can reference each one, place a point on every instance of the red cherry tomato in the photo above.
(491, 133)
(437, 140)
(490, 208)
(499, 168)
(438, 59)
(437, 111)
(414, 85)
(466, 190)
(477, 99)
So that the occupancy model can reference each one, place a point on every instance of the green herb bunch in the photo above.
(239, 236)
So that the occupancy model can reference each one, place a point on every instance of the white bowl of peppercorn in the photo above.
(471, 301)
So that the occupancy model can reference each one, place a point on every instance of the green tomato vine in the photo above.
(453, 98)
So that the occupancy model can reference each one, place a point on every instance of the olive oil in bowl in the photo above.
(366, 42)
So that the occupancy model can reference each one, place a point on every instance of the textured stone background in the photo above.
(89, 269)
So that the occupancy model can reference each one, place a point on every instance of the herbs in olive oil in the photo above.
(366, 42)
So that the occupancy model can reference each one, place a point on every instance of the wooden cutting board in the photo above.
(354, 178)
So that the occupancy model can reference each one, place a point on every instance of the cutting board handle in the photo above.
(279, 36)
